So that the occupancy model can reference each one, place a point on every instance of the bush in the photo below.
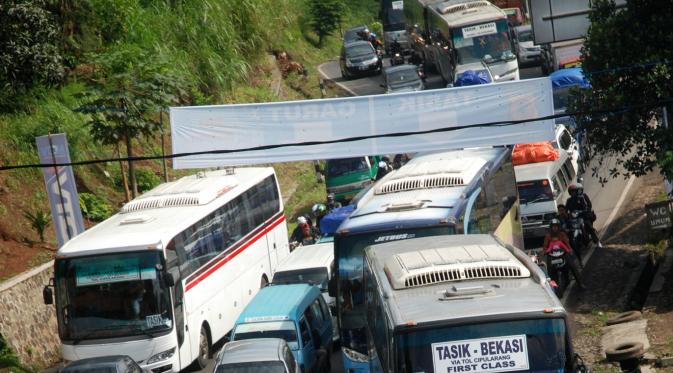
(93, 207)
(146, 179)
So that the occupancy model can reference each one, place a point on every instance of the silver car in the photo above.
(526, 51)
(402, 78)
(263, 355)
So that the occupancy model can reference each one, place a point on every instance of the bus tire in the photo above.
(204, 348)
(263, 282)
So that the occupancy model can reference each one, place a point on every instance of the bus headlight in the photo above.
(355, 356)
(161, 356)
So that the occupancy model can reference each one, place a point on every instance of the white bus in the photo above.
(167, 276)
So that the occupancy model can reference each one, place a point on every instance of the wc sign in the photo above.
(659, 215)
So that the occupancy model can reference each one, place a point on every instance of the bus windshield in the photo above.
(114, 295)
(473, 43)
(393, 19)
(350, 250)
(536, 345)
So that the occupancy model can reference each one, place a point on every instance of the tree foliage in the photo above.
(131, 89)
(29, 53)
(628, 58)
(39, 221)
(326, 16)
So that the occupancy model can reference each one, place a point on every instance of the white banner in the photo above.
(235, 127)
(496, 354)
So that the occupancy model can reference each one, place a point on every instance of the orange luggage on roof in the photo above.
(533, 152)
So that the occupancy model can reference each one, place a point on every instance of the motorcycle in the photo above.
(557, 265)
(578, 237)
(397, 59)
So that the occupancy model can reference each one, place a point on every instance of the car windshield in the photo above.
(534, 191)
(350, 250)
(114, 295)
(314, 276)
(561, 99)
(268, 329)
(474, 42)
(525, 35)
(404, 76)
(359, 50)
(253, 367)
(537, 345)
(339, 167)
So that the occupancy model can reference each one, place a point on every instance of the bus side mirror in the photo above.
(331, 287)
(169, 280)
(48, 295)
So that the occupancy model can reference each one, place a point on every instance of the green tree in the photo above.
(628, 56)
(125, 99)
(325, 17)
(29, 54)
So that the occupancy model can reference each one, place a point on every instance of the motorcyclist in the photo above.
(370, 37)
(304, 233)
(383, 170)
(563, 217)
(332, 203)
(319, 211)
(557, 237)
(579, 201)
(395, 47)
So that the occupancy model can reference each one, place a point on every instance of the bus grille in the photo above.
(454, 274)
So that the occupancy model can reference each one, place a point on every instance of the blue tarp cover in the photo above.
(330, 223)
(568, 78)
(471, 77)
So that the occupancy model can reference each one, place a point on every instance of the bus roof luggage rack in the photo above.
(458, 263)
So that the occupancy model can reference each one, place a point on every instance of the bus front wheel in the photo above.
(204, 348)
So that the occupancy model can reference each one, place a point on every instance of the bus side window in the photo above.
(569, 169)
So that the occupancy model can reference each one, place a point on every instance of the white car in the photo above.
(526, 51)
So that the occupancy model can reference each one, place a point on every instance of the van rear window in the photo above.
(534, 191)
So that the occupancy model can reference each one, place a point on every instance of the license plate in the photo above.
(363, 67)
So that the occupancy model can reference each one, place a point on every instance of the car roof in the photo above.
(281, 301)
(309, 256)
(95, 362)
(356, 43)
(392, 69)
(251, 350)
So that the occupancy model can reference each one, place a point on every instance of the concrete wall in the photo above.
(26, 323)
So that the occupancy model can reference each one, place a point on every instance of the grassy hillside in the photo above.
(218, 49)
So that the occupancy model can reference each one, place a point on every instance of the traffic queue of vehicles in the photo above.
(422, 272)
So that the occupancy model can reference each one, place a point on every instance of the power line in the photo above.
(347, 139)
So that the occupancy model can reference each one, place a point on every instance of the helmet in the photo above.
(319, 209)
(554, 222)
(382, 164)
(302, 220)
(330, 197)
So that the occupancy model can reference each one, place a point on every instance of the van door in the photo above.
(307, 350)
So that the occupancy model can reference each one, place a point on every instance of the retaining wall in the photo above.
(26, 323)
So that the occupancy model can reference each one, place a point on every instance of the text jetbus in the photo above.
(167, 276)
(449, 193)
(462, 304)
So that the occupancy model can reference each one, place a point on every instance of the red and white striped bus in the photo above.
(167, 276)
